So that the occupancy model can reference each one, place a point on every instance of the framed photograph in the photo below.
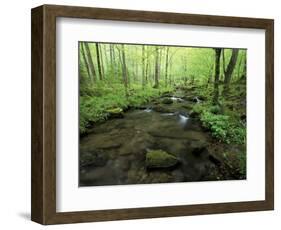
(139, 114)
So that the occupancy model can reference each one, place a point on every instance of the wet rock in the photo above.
(141, 107)
(115, 113)
(187, 106)
(167, 94)
(97, 159)
(160, 177)
(167, 101)
(198, 147)
(160, 159)
(173, 133)
(196, 99)
(188, 98)
(201, 97)
(214, 159)
(161, 109)
(194, 114)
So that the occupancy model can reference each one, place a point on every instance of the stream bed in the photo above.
(117, 148)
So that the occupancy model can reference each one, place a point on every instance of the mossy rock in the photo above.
(167, 101)
(115, 113)
(160, 159)
(194, 114)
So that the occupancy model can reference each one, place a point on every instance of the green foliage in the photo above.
(215, 109)
(95, 108)
(242, 163)
(198, 108)
(223, 127)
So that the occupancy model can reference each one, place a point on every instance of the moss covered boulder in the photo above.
(115, 113)
(160, 159)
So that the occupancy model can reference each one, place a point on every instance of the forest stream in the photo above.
(118, 148)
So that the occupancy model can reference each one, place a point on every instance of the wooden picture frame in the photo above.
(43, 208)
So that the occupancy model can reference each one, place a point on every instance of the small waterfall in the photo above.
(197, 99)
(183, 119)
(147, 110)
(167, 114)
(176, 99)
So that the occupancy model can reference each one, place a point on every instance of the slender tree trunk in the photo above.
(111, 55)
(239, 66)
(245, 67)
(102, 61)
(223, 62)
(124, 70)
(210, 75)
(90, 61)
(166, 67)
(217, 76)
(85, 60)
(147, 67)
(143, 65)
(98, 61)
(170, 68)
(229, 70)
(106, 59)
(156, 85)
(114, 62)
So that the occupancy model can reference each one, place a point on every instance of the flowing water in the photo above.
(120, 146)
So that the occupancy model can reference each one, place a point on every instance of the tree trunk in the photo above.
(143, 66)
(102, 61)
(229, 70)
(124, 70)
(106, 59)
(239, 67)
(98, 61)
(90, 61)
(156, 85)
(85, 60)
(146, 67)
(223, 62)
(166, 67)
(217, 76)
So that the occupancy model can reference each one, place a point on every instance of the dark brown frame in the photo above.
(43, 200)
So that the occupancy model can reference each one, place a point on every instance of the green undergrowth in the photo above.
(224, 125)
(96, 102)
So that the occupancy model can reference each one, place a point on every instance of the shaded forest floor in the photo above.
(172, 135)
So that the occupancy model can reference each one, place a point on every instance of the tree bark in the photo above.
(124, 70)
(229, 70)
(90, 61)
(98, 61)
(156, 85)
(102, 61)
(166, 66)
(85, 60)
(143, 66)
(223, 62)
(217, 76)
